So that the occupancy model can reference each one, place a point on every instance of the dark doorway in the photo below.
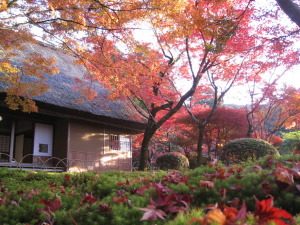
(5, 137)
(24, 136)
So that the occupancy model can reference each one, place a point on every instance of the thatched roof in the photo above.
(62, 95)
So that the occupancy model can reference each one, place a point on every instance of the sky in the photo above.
(239, 96)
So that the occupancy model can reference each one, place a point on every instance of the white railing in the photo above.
(55, 164)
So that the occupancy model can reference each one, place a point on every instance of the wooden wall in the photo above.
(89, 149)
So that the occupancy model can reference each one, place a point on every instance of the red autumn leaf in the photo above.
(212, 163)
(124, 184)
(236, 188)
(89, 198)
(104, 208)
(67, 178)
(295, 170)
(234, 203)
(235, 169)
(257, 167)
(152, 213)
(267, 213)
(179, 202)
(242, 213)
(121, 197)
(142, 190)
(230, 214)
(50, 207)
(222, 193)
(220, 174)
(166, 203)
(2, 200)
(4, 189)
(160, 188)
(52, 184)
(283, 175)
(207, 184)
(266, 187)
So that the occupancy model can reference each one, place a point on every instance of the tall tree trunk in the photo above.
(149, 132)
(250, 127)
(200, 145)
(291, 9)
(249, 131)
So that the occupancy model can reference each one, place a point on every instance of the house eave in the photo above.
(66, 113)
(50, 110)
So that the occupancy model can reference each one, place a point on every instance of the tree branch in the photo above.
(291, 9)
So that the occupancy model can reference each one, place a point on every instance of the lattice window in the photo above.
(4, 148)
(125, 144)
(120, 143)
(114, 142)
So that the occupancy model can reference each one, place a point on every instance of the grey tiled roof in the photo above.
(62, 93)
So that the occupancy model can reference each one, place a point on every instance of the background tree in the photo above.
(278, 39)
(278, 111)
(220, 85)
(259, 91)
(225, 125)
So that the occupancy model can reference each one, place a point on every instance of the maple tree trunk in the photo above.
(291, 9)
(148, 134)
(249, 131)
(250, 126)
(199, 146)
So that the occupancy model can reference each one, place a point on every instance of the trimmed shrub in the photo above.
(244, 149)
(172, 161)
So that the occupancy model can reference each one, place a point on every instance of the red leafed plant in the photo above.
(267, 213)
(2, 200)
(152, 212)
(89, 198)
(220, 173)
(207, 184)
(264, 214)
(50, 208)
(166, 203)
(121, 197)
(171, 203)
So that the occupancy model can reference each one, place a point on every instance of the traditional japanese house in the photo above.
(68, 132)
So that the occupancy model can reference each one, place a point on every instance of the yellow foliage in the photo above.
(215, 216)
(3, 5)
(8, 68)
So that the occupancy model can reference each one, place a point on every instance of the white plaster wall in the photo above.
(43, 134)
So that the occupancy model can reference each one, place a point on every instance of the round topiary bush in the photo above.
(172, 161)
(244, 149)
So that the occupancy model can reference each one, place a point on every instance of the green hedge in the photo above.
(244, 149)
(172, 161)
